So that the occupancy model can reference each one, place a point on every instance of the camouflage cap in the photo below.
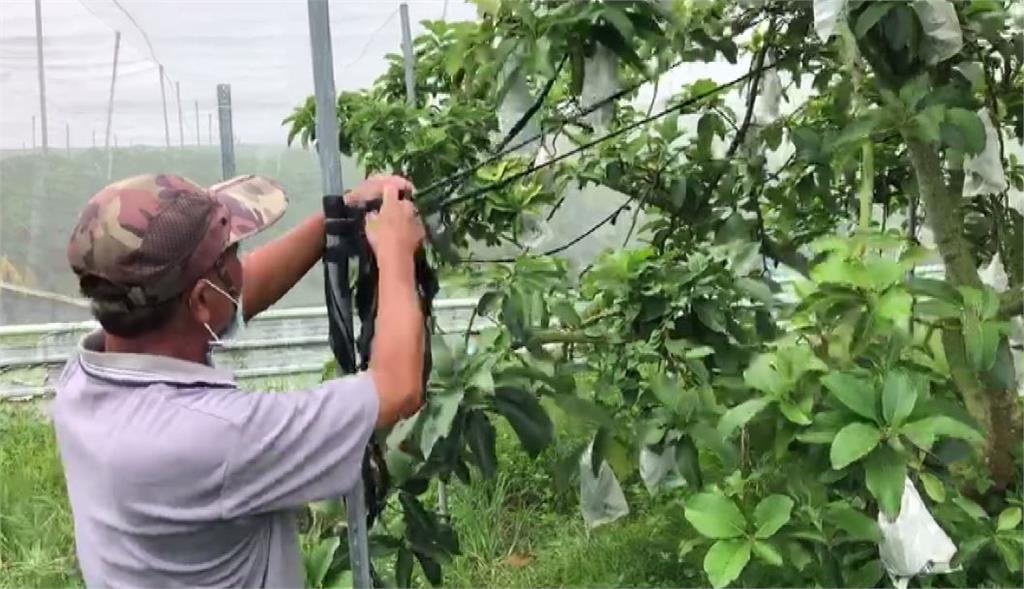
(155, 235)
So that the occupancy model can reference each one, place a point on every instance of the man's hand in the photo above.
(373, 188)
(396, 363)
(395, 231)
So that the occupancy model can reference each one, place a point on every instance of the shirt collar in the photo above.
(146, 368)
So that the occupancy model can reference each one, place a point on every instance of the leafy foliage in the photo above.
(783, 415)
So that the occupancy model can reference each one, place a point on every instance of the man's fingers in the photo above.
(389, 194)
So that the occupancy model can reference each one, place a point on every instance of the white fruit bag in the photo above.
(913, 544)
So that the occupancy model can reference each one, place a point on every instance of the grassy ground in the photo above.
(515, 531)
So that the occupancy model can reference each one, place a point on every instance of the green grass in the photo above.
(36, 542)
(515, 531)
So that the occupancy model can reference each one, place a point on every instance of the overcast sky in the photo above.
(260, 47)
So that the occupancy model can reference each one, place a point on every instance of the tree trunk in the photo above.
(990, 400)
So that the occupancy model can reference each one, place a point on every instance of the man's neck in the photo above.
(156, 344)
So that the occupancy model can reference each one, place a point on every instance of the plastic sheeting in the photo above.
(826, 17)
(601, 497)
(943, 38)
(913, 544)
(600, 80)
(985, 174)
(518, 100)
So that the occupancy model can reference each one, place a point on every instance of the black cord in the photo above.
(564, 246)
(585, 146)
(465, 173)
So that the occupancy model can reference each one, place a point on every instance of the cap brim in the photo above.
(255, 202)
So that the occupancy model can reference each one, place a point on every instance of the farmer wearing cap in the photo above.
(176, 477)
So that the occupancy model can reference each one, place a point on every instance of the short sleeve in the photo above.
(297, 447)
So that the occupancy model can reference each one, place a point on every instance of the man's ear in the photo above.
(198, 303)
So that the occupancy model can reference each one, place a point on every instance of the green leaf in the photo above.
(566, 314)
(969, 133)
(706, 129)
(767, 553)
(688, 463)
(852, 443)
(798, 556)
(870, 573)
(1009, 519)
(885, 476)
(342, 580)
(584, 410)
(855, 523)
(860, 129)
(618, 19)
(738, 416)
(772, 513)
(668, 391)
(318, 560)
(924, 431)
(437, 419)
(715, 516)
(899, 395)
(970, 508)
(1010, 554)
(481, 437)
(794, 413)
(871, 15)
(933, 487)
(725, 560)
(856, 393)
(526, 416)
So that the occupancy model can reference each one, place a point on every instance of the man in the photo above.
(176, 477)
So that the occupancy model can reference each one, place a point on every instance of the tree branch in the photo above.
(1011, 303)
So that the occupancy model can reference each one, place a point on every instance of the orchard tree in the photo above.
(783, 419)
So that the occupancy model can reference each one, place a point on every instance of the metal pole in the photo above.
(197, 124)
(181, 123)
(163, 99)
(33, 132)
(67, 137)
(209, 128)
(331, 182)
(42, 77)
(410, 78)
(113, 80)
(409, 61)
(94, 138)
(227, 145)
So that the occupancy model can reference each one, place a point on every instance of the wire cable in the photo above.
(533, 167)
(465, 173)
(366, 46)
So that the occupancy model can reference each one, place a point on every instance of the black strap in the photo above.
(346, 234)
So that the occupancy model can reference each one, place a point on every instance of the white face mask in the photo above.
(237, 324)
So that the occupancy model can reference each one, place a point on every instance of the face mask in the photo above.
(237, 323)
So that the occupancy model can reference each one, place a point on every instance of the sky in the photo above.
(260, 47)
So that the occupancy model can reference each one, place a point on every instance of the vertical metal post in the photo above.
(410, 77)
(67, 137)
(42, 76)
(209, 128)
(113, 81)
(409, 61)
(227, 144)
(163, 100)
(181, 123)
(331, 181)
(33, 132)
(198, 143)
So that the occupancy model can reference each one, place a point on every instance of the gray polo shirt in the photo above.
(179, 479)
